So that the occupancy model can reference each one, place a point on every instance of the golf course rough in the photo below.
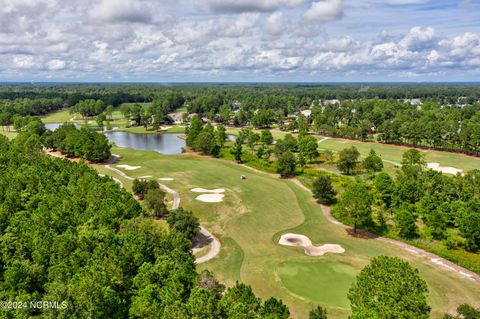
(258, 211)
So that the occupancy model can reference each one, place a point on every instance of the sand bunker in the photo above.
(146, 176)
(210, 198)
(165, 179)
(444, 169)
(306, 243)
(128, 167)
(203, 190)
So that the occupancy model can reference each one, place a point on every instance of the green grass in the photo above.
(58, 117)
(314, 280)
(10, 133)
(257, 211)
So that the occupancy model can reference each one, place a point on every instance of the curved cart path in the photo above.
(214, 247)
(437, 260)
(214, 243)
(434, 259)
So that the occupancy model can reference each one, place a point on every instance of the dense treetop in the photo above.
(69, 235)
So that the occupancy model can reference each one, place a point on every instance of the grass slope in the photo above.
(255, 213)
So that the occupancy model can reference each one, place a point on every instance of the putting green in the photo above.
(314, 280)
(257, 211)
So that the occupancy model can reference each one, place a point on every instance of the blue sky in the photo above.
(240, 40)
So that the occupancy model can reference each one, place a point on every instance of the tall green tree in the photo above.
(389, 287)
(373, 163)
(302, 124)
(237, 150)
(266, 137)
(323, 190)
(348, 159)
(385, 186)
(221, 135)
(184, 222)
(469, 225)
(308, 147)
(194, 129)
(355, 205)
(405, 222)
(286, 164)
(155, 201)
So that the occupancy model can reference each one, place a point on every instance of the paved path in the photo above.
(214, 247)
(392, 162)
(214, 243)
(437, 260)
(175, 195)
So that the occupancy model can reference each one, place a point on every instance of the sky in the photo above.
(239, 40)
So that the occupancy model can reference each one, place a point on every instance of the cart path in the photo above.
(437, 260)
(214, 243)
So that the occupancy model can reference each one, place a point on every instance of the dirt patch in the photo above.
(60, 155)
(309, 248)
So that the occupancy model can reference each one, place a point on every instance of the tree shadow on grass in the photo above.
(201, 241)
(361, 233)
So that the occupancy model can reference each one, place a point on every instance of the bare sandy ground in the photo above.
(128, 167)
(146, 176)
(444, 169)
(210, 198)
(203, 190)
(60, 155)
(306, 243)
(166, 179)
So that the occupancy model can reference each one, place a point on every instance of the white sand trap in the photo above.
(210, 198)
(306, 243)
(444, 169)
(146, 176)
(128, 167)
(203, 190)
(166, 179)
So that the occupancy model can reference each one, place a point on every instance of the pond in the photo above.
(54, 126)
(163, 143)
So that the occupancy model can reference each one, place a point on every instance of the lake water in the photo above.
(54, 126)
(163, 143)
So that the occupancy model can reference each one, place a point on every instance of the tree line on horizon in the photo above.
(448, 119)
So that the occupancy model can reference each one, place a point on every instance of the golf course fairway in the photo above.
(253, 215)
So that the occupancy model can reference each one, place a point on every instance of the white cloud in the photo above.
(24, 61)
(325, 10)
(275, 23)
(56, 64)
(167, 40)
(418, 38)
